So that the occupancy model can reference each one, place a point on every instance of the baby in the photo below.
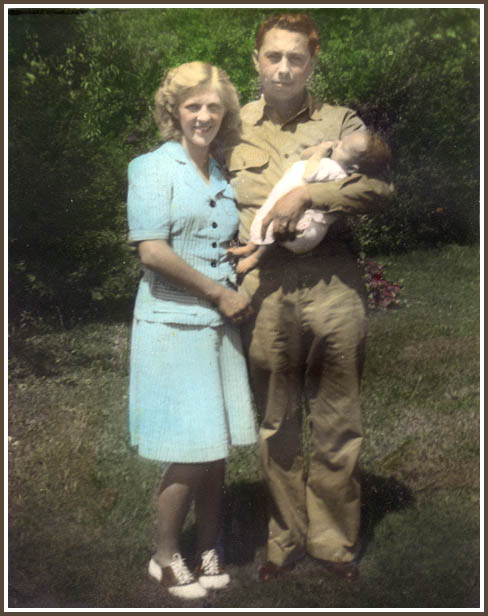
(361, 152)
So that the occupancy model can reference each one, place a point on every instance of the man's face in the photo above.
(284, 64)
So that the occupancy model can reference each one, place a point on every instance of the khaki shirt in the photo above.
(268, 147)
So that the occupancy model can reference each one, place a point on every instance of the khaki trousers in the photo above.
(305, 350)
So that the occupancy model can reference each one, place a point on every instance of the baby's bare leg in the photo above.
(250, 262)
(242, 251)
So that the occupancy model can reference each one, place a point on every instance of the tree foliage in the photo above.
(81, 85)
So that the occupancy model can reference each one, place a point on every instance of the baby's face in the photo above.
(348, 150)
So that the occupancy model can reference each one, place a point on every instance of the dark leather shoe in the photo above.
(348, 571)
(269, 572)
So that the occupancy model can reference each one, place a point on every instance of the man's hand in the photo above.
(286, 213)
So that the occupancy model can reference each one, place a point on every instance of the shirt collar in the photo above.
(259, 110)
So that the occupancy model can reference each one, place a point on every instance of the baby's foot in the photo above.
(247, 264)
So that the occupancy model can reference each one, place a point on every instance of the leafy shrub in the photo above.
(413, 76)
(81, 84)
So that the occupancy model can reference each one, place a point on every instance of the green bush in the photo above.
(413, 76)
(81, 85)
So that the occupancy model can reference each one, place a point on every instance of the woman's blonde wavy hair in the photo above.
(186, 80)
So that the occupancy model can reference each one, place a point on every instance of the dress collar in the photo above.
(180, 155)
(217, 181)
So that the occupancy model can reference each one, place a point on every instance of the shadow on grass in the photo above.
(245, 516)
(244, 522)
(244, 525)
(379, 496)
(36, 580)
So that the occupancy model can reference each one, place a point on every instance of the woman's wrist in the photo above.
(214, 293)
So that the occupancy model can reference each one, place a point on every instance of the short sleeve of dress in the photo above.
(149, 198)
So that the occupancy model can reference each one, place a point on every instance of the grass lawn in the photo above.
(80, 518)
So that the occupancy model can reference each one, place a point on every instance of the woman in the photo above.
(189, 393)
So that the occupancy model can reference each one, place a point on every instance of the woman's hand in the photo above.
(233, 305)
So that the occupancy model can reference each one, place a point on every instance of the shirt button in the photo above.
(212, 203)
(214, 244)
(214, 225)
(214, 264)
(287, 155)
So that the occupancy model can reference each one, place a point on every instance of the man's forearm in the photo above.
(357, 194)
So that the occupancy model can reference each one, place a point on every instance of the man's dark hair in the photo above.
(293, 22)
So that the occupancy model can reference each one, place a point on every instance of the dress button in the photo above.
(214, 225)
(214, 244)
(212, 203)
(214, 264)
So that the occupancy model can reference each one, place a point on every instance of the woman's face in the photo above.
(200, 118)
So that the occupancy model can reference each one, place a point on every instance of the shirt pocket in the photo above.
(247, 157)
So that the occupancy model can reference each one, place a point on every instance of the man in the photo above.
(305, 344)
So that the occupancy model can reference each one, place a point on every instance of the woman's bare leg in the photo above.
(172, 505)
(180, 484)
(248, 263)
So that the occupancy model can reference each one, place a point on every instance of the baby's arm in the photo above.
(318, 151)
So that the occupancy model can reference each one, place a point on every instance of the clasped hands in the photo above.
(234, 305)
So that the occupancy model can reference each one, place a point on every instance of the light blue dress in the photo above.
(189, 397)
